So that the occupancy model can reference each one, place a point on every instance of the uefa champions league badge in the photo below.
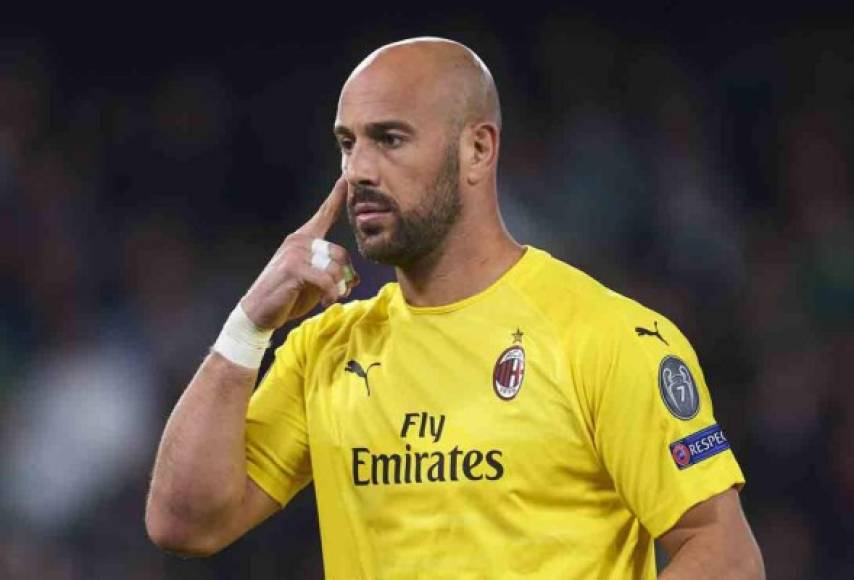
(681, 455)
(509, 370)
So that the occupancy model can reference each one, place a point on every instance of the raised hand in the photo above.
(304, 270)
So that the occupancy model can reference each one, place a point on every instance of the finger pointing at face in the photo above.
(323, 252)
(304, 270)
(328, 212)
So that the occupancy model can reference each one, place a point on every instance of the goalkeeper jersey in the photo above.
(545, 427)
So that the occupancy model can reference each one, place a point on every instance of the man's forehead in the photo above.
(384, 93)
(376, 94)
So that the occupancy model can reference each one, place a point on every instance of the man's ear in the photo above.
(480, 152)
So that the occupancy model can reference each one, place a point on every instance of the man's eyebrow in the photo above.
(342, 131)
(391, 125)
(376, 128)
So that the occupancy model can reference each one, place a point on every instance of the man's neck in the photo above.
(463, 266)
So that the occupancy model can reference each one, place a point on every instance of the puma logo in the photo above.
(646, 332)
(355, 368)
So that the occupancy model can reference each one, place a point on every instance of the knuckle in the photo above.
(334, 270)
(339, 253)
(331, 286)
(329, 278)
(335, 280)
(295, 238)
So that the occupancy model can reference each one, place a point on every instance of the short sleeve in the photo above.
(277, 450)
(653, 422)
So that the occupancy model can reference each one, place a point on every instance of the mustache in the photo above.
(363, 194)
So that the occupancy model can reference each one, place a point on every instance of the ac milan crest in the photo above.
(509, 372)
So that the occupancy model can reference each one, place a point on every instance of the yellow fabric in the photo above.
(570, 478)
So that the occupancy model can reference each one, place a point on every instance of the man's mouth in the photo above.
(368, 213)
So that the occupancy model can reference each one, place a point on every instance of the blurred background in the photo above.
(151, 162)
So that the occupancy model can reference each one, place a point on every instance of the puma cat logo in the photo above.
(355, 368)
(646, 332)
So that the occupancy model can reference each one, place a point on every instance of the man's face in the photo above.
(388, 234)
(400, 157)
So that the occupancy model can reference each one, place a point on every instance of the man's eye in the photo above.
(345, 144)
(391, 140)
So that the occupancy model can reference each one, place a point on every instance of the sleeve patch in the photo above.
(678, 388)
(699, 446)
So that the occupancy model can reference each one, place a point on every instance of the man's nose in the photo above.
(360, 166)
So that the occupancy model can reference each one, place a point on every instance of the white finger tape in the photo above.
(319, 246)
(320, 260)
(342, 287)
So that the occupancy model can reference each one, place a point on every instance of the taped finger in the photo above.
(320, 260)
(320, 246)
(324, 281)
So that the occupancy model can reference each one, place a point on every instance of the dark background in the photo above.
(695, 158)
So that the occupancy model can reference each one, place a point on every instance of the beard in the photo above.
(415, 233)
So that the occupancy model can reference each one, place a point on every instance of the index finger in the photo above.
(328, 212)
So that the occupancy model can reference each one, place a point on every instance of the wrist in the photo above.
(241, 341)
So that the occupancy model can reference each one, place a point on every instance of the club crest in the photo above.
(509, 372)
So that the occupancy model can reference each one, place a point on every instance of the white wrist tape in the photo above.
(240, 341)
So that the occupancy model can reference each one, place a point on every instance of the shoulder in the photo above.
(573, 297)
(588, 313)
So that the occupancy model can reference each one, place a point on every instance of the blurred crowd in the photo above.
(134, 215)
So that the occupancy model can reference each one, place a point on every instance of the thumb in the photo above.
(328, 212)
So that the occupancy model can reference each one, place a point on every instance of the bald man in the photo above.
(495, 413)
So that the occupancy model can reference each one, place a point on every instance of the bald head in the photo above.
(458, 81)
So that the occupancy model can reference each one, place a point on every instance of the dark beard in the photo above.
(420, 231)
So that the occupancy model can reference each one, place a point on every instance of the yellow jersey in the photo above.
(545, 427)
